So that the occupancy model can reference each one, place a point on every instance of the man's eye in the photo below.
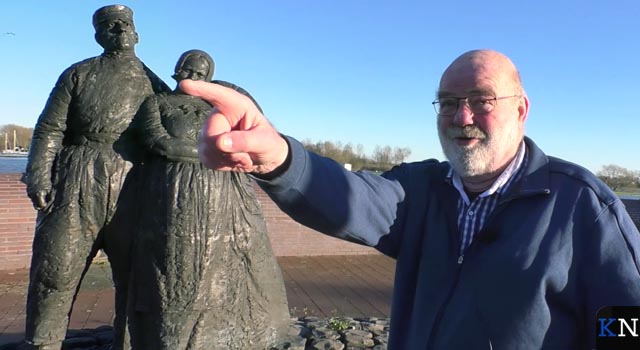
(448, 102)
(480, 100)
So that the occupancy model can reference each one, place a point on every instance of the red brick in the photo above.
(288, 238)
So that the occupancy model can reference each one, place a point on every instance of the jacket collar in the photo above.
(535, 179)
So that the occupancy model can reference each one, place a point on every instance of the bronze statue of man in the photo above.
(205, 276)
(80, 179)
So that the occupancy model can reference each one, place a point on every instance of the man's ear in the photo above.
(523, 108)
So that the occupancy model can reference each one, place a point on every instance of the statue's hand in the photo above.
(40, 199)
(182, 150)
(182, 158)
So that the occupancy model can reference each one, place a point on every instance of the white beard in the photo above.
(483, 157)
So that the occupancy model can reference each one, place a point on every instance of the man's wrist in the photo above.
(279, 170)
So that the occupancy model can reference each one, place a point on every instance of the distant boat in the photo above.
(17, 152)
(14, 154)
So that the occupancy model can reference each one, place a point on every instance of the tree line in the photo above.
(20, 142)
(383, 157)
(619, 178)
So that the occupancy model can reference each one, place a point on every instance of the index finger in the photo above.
(216, 125)
(228, 102)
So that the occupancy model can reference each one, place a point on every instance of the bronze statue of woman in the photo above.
(205, 276)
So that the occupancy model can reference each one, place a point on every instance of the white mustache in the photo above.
(469, 131)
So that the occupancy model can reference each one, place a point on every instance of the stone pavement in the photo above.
(321, 286)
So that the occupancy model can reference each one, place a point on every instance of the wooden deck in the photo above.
(323, 286)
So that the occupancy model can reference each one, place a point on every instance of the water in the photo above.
(12, 165)
(630, 196)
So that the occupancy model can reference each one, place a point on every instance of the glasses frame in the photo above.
(466, 101)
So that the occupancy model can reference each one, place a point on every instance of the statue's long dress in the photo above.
(205, 273)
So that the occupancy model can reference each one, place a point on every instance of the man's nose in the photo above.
(463, 115)
(119, 27)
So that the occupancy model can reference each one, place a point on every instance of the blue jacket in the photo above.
(559, 246)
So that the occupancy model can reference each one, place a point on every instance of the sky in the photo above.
(363, 71)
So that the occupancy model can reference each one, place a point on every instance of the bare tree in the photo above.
(617, 177)
(400, 154)
(383, 158)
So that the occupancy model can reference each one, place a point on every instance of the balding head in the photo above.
(479, 69)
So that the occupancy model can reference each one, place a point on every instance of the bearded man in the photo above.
(501, 247)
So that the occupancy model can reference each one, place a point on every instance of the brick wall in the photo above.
(288, 238)
(17, 218)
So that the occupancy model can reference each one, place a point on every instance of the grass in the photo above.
(338, 324)
(633, 191)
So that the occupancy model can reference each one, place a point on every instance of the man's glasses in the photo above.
(478, 104)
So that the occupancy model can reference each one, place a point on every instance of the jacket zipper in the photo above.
(501, 205)
(460, 261)
(440, 314)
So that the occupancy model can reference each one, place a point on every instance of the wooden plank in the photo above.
(323, 286)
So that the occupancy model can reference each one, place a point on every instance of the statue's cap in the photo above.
(109, 12)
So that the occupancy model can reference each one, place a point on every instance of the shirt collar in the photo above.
(501, 182)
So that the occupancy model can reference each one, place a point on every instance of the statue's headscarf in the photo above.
(199, 54)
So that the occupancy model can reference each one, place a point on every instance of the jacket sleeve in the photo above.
(610, 273)
(319, 193)
(48, 134)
